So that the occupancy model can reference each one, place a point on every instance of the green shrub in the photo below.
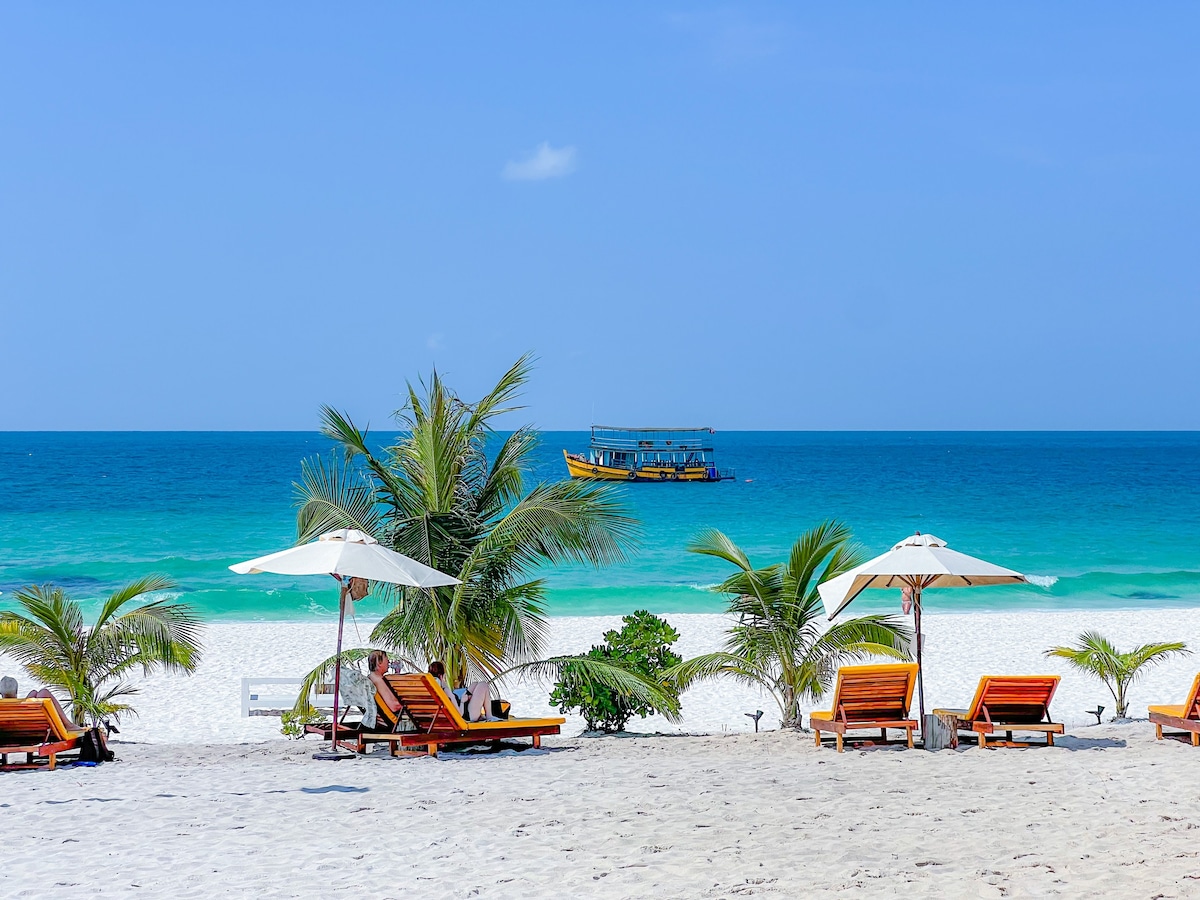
(294, 720)
(643, 646)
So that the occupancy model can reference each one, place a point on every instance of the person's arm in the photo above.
(385, 692)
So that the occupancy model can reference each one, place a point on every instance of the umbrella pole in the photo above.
(920, 670)
(334, 753)
(337, 666)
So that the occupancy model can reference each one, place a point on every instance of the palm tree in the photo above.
(1096, 655)
(437, 496)
(89, 664)
(778, 643)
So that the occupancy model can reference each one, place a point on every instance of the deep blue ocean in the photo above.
(1101, 520)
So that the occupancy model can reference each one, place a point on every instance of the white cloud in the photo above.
(545, 162)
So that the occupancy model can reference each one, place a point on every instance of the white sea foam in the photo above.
(1043, 581)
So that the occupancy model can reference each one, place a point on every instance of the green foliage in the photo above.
(437, 496)
(48, 637)
(1098, 656)
(779, 642)
(642, 647)
(294, 720)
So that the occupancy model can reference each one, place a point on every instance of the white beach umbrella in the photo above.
(351, 554)
(346, 553)
(916, 563)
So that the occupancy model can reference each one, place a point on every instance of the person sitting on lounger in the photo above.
(8, 688)
(475, 701)
(377, 667)
(44, 694)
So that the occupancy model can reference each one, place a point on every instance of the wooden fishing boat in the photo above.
(647, 454)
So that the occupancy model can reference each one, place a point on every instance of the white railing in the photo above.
(257, 702)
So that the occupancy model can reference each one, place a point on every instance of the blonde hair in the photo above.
(373, 659)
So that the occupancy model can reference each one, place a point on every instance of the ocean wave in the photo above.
(1042, 581)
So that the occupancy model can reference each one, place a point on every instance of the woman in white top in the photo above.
(474, 702)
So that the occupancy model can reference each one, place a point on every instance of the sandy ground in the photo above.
(204, 802)
(1110, 812)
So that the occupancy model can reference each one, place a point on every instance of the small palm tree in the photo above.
(1096, 655)
(779, 643)
(89, 664)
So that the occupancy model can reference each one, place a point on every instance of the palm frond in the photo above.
(715, 543)
(332, 496)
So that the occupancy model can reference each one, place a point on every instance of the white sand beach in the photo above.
(1110, 812)
(203, 802)
(206, 708)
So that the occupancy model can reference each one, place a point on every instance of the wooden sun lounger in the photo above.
(1008, 703)
(33, 726)
(1185, 717)
(868, 697)
(436, 720)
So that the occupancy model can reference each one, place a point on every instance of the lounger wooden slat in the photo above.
(436, 721)
(1185, 716)
(1008, 703)
(869, 697)
(34, 728)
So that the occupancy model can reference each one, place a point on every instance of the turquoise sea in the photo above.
(1102, 520)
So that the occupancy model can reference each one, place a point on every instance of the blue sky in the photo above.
(756, 216)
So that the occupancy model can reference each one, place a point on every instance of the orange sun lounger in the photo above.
(876, 696)
(33, 726)
(1008, 703)
(1185, 717)
(435, 720)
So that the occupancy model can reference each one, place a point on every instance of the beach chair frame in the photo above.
(437, 721)
(1008, 704)
(33, 727)
(868, 698)
(1185, 717)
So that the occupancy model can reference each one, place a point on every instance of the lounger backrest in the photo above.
(383, 712)
(1014, 698)
(426, 702)
(1193, 701)
(33, 720)
(874, 693)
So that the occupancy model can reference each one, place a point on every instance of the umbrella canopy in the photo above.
(351, 554)
(918, 562)
(346, 553)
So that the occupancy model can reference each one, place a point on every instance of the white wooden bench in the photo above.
(271, 696)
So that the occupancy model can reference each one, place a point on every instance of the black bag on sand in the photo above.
(501, 709)
(93, 749)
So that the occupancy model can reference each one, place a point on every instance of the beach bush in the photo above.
(439, 496)
(779, 642)
(292, 721)
(47, 636)
(1097, 656)
(643, 646)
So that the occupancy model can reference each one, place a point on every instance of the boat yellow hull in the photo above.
(583, 469)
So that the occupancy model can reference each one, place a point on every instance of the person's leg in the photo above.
(62, 713)
(480, 704)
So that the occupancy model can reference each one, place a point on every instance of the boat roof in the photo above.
(619, 428)
(643, 439)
